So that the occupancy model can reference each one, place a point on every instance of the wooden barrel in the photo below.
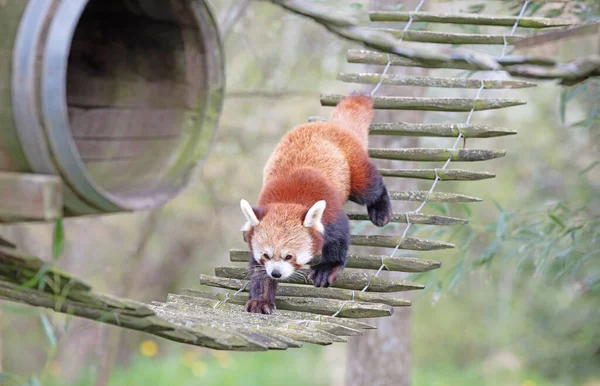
(120, 98)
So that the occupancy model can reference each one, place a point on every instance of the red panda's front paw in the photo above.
(258, 306)
(324, 274)
(380, 212)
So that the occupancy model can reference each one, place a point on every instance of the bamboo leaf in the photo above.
(58, 239)
(589, 167)
(48, 329)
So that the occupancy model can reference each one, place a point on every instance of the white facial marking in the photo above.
(284, 268)
(251, 219)
(304, 256)
(314, 215)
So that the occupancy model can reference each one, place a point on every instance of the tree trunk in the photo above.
(382, 357)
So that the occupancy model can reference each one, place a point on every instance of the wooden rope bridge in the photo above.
(305, 314)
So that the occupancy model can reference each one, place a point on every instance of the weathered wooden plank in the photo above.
(410, 243)
(30, 197)
(198, 299)
(353, 324)
(471, 19)
(312, 305)
(434, 197)
(432, 129)
(19, 267)
(374, 57)
(346, 279)
(396, 263)
(431, 154)
(430, 81)
(200, 308)
(214, 338)
(415, 218)
(311, 292)
(448, 37)
(444, 175)
(429, 104)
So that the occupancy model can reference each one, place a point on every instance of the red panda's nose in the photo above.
(276, 274)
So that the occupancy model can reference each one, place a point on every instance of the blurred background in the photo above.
(516, 303)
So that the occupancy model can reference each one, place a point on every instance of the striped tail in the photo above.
(355, 113)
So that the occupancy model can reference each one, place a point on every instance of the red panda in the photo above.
(312, 172)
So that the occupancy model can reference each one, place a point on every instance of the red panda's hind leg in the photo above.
(334, 253)
(374, 195)
(262, 290)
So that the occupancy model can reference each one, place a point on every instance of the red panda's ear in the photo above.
(253, 215)
(314, 215)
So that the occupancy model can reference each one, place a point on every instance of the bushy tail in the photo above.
(355, 113)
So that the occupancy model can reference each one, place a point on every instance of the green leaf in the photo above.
(476, 8)
(439, 207)
(36, 280)
(58, 239)
(48, 329)
(557, 220)
(563, 106)
(497, 204)
(467, 210)
(553, 13)
(457, 274)
(17, 310)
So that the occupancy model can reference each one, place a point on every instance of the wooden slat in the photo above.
(430, 81)
(410, 243)
(471, 19)
(429, 104)
(444, 175)
(347, 279)
(396, 263)
(431, 154)
(447, 37)
(420, 195)
(311, 292)
(374, 57)
(200, 308)
(432, 129)
(308, 305)
(320, 306)
(422, 219)
(30, 197)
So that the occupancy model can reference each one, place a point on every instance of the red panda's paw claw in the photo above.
(258, 306)
(324, 274)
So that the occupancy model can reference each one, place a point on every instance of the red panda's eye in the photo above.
(266, 256)
(288, 257)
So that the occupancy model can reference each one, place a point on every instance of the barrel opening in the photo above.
(136, 85)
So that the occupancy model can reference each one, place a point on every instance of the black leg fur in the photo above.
(262, 290)
(334, 254)
(376, 199)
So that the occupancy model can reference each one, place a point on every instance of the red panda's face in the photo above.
(282, 242)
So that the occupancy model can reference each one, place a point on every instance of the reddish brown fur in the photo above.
(329, 157)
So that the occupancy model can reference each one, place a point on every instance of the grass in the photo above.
(299, 367)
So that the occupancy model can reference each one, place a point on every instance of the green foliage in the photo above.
(58, 239)
(48, 329)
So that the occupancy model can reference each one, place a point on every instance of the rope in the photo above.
(221, 302)
(458, 138)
